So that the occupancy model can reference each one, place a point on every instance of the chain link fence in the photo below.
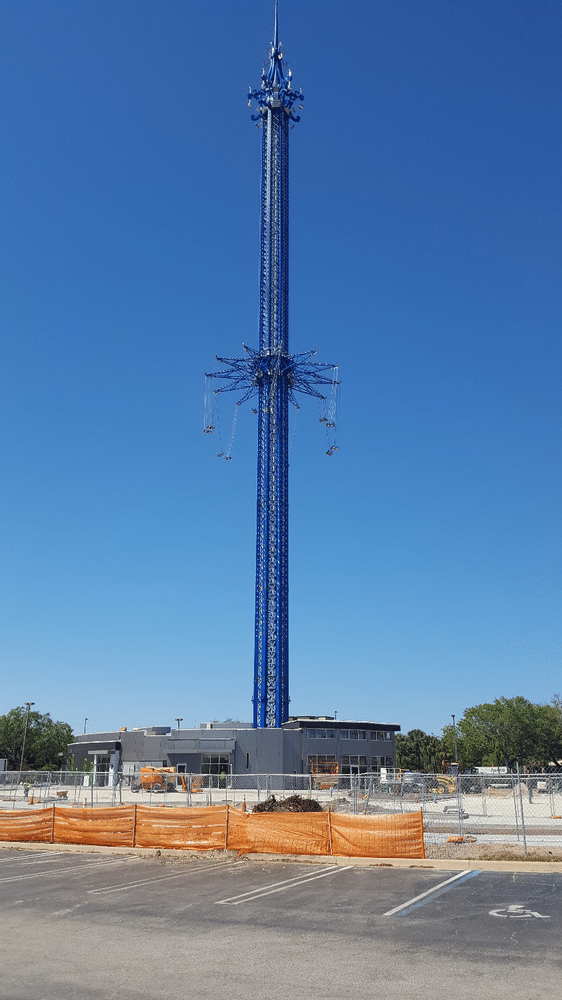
(523, 810)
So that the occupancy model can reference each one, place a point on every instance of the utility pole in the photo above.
(455, 736)
(28, 705)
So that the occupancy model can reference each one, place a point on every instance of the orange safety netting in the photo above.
(191, 829)
(278, 833)
(111, 827)
(221, 828)
(23, 825)
(398, 836)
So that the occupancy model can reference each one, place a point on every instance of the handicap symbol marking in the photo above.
(517, 910)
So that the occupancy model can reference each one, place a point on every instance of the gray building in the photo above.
(303, 745)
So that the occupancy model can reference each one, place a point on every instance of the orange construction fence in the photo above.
(221, 828)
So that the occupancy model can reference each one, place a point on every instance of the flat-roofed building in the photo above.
(303, 745)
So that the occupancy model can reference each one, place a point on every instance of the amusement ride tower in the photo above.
(273, 375)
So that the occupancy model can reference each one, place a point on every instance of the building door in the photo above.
(217, 766)
(353, 764)
(101, 768)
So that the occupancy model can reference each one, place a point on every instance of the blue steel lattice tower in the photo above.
(273, 375)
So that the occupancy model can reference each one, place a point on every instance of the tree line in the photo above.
(502, 733)
(42, 741)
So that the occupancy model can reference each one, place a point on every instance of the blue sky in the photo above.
(425, 260)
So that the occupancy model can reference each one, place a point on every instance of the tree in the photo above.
(45, 740)
(418, 751)
(451, 745)
(510, 731)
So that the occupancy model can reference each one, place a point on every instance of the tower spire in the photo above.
(274, 375)
(276, 84)
(275, 65)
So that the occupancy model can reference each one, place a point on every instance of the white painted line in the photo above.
(429, 892)
(285, 881)
(291, 883)
(63, 871)
(123, 886)
(35, 856)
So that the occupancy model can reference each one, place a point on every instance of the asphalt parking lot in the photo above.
(99, 927)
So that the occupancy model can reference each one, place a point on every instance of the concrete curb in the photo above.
(437, 864)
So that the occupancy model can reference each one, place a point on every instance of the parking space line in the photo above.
(65, 871)
(18, 858)
(437, 890)
(123, 886)
(290, 883)
(284, 882)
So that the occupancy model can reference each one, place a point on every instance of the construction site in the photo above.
(460, 817)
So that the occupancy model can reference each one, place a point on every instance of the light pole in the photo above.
(85, 721)
(178, 720)
(28, 705)
(455, 736)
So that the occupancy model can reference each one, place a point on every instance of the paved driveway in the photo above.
(91, 927)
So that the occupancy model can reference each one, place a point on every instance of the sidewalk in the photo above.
(438, 864)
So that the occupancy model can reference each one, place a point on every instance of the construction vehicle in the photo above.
(445, 783)
(158, 779)
(454, 779)
(326, 773)
(324, 767)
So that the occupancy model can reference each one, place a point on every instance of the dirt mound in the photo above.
(294, 804)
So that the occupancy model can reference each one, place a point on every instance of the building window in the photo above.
(353, 734)
(322, 763)
(321, 734)
(215, 763)
(247, 761)
(353, 764)
(383, 735)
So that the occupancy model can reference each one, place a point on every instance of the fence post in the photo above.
(330, 831)
(134, 837)
(53, 825)
(459, 804)
(226, 829)
(522, 813)
(515, 810)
